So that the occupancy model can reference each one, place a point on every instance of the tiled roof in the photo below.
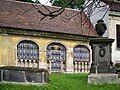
(115, 5)
(15, 14)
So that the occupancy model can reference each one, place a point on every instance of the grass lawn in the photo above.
(60, 81)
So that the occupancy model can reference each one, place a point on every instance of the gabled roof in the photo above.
(15, 14)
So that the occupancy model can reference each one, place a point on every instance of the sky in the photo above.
(46, 2)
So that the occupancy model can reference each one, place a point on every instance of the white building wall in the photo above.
(113, 21)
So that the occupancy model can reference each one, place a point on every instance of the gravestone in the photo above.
(102, 70)
(23, 75)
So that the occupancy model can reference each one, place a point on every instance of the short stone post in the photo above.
(102, 70)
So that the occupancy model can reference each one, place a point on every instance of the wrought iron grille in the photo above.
(27, 50)
(81, 53)
(51, 53)
(56, 53)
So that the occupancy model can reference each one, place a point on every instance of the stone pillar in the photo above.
(69, 61)
(101, 70)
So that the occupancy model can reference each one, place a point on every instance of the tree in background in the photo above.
(76, 4)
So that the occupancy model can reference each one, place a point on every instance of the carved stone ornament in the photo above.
(102, 52)
(100, 27)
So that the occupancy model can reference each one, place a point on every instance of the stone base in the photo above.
(103, 78)
(102, 69)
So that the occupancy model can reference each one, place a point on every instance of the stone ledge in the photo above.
(24, 84)
(103, 78)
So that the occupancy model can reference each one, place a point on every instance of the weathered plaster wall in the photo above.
(8, 47)
(113, 21)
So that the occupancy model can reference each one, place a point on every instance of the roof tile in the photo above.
(23, 15)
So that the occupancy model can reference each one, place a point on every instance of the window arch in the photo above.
(56, 48)
(27, 49)
(81, 53)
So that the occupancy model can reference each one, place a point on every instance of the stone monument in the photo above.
(102, 70)
(100, 27)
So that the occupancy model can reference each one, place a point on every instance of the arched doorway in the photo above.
(27, 54)
(56, 57)
(81, 58)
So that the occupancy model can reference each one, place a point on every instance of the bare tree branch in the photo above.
(52, 14)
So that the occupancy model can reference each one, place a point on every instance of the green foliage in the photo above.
(117, 67)
(76, 4)
(60, 81)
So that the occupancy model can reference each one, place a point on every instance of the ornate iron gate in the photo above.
(56, 56)
(56, 62)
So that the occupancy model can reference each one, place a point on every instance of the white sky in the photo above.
(46, 2)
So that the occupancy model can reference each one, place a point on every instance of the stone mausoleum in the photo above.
(60, 44)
